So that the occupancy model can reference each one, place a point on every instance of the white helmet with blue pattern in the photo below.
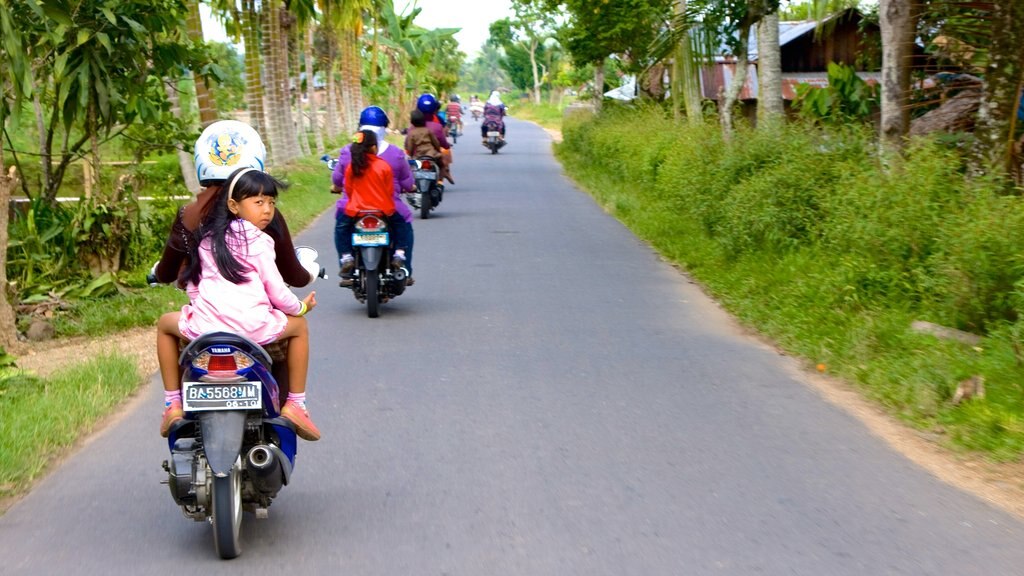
(226, 146)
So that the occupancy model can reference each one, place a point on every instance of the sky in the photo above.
(472, 16)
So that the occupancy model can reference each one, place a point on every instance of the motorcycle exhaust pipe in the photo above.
(264, 465)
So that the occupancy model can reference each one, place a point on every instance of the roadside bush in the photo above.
(804, 234)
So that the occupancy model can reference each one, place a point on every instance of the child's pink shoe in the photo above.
(299, 416)
(172, 414)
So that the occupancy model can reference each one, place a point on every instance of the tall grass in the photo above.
(805, 235)
(42, 418)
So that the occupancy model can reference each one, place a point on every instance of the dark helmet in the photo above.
(427, 103)
(373, 116)
(456, 98)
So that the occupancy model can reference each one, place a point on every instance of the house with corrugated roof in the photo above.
(806, 48)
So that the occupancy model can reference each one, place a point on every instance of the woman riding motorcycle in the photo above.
(373, 118)
(494, 112)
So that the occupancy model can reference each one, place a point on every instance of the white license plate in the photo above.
(370, 239)
(202, 396)
(424, 175)
(493, 134)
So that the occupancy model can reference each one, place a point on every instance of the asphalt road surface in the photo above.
(549, 399)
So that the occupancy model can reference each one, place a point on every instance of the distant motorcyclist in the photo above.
(454, 109)
(476, 107)
(429, 105)
(494, 112)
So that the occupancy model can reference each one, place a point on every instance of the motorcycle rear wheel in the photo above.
(426, 202)
(227, 513)
(372, 294)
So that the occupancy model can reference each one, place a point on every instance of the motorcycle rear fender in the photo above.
(222, 432)
(371, 256)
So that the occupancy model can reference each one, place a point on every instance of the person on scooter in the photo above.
(476, 107)
(369, 184)
(455, 113)
(222, 148)
(420, 141)
(429, 105)
(234, 286)
(494, 111)
(374, 118)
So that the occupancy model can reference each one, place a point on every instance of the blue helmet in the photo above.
(427, 103)
(373, 116)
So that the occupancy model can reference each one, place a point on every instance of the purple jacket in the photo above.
(395, 158)
(438, 129)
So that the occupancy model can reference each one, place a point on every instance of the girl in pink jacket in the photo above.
(234, 286)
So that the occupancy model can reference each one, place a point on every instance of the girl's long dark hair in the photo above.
(217, 224)
(360, 151)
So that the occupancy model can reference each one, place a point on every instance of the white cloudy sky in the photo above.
(472, 16)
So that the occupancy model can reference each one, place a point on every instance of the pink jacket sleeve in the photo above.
(262, 259)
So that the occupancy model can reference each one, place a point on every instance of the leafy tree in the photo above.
(624, 28)
(98, 68)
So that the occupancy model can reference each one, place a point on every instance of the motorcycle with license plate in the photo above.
(494, 140)
(373, 281)
(429, 190)
(232, 452)
(453, 129)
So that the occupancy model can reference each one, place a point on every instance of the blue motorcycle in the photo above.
(233, 451)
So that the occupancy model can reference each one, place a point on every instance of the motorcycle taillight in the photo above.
(369, 224)
(222, 363)
(426, 165)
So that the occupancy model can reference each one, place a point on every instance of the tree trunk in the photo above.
(1002, 89)
(685, 82)
(186, 162)
(207, 112)
(313, 97)
(333, 122)
(533, 67)
(598, 84)
(896, 21)
(8, 323)
(275, 134)
(287, 23)
(732, 93)
(770, 106)
(253, 76)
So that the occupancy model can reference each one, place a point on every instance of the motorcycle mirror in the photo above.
(306, 253)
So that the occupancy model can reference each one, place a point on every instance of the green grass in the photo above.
(40, 418)
(804, 236)
(546, 115)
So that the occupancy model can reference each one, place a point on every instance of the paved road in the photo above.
(549, 399)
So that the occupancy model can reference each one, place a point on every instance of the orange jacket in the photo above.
(373, 190)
